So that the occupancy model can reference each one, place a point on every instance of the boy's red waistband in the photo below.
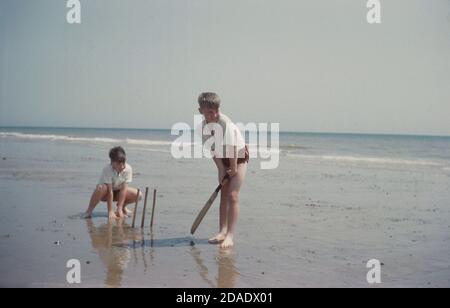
(241, 160)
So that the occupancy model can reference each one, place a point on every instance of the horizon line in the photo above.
(281, 132)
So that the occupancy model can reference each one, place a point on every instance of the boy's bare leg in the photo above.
(121, 201)
(234, 188)
(218, 238)
(109, 203)
(98, 194)
(132, 196)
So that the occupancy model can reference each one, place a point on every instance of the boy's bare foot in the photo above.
(127, 212)
(227, 242)
(121, 214)
(219, 238)
(87, 215)
(112, 215)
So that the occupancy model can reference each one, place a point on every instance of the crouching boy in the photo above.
(114, 186)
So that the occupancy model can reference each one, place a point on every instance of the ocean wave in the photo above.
(263, 151)
(267, 146)
(84, 139)
(293, 147)
(54, 137)
(147, 142)
(370, 160)
(128, 141)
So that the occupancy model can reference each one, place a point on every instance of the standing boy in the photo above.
(230, 154)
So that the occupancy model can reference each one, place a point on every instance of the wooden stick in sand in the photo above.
(145, 207)
(135, 208)
(153, 209)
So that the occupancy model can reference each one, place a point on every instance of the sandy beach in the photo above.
(313, 222)
(342, 108)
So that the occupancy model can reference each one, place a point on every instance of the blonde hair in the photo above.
(209, 99)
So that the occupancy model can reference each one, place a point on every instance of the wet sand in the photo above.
(308, 223)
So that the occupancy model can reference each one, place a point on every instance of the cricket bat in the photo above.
(206, 207)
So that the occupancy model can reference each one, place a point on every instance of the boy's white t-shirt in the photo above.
(110, 176)
(232, 137)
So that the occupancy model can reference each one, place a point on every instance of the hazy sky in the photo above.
(312, 65)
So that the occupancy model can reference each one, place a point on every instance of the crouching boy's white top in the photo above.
(110, 176)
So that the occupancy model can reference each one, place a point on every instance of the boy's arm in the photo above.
(220, 168)
(123, 192)
(219, 163)
(122, 197)
(233, 163)
(109, 201)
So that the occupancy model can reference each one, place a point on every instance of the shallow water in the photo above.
(334, 203)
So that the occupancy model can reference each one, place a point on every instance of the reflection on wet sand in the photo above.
(227, 271)
(117, 244)
(108, 240)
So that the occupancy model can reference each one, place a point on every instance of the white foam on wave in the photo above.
(84, 139)
(147, 142)
(262, 151)
(370, 160)
(129, 141)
